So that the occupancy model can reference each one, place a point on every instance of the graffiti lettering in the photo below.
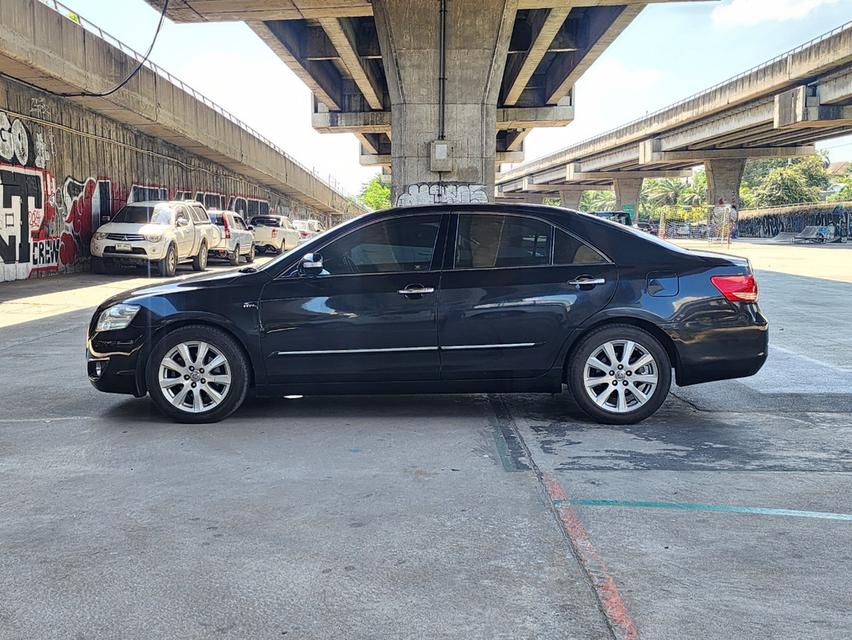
(46, 253)
(21, 196)
(433, 193)
(768, 225)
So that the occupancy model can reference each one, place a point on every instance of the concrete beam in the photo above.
(352, 121)
(604, 28)
(252, 10)
(800, 108)
(545, 27)
(284, 38)
(510, 157)
(342, 35)
(374, 160)
(648, 155)
(531, 117)
(574, 173)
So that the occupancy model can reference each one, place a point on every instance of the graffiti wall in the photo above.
(768, 223)
(434, 192)
(64, 171)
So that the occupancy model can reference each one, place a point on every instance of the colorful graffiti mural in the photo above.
(768, 224)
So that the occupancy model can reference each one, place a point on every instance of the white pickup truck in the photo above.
(273, 233)
(155, 233)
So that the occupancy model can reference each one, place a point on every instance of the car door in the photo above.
(184, 233)
(513, 295)
(369, 316)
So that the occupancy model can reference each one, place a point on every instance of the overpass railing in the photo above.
(91, 27)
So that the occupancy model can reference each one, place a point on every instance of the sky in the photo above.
(672, 50)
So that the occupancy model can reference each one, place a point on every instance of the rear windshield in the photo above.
(216, 218)
(138, 214)
(266, 221)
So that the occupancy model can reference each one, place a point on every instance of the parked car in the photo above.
(274, 233)
(622, 217)
(162, 234)
(308, 228)
(436, 299)
(237, 238)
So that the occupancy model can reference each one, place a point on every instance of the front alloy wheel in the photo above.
(619, 374)
(197, 373)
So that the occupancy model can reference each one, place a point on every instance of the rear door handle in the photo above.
(415, 290)
(587, 282)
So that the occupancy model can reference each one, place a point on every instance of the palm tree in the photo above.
(666, 192)
(597, 201)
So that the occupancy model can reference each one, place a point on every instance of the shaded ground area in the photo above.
(727, 515)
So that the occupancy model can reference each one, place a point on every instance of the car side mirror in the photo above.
(250, 228)
(182, 222)
(312, 264)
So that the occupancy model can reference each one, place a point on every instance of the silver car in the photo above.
(237, 238)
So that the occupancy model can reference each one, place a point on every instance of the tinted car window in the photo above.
(238, 221)
(405, 244)
(266, 221)
(199, 214)
(568, 250)
(486, 241)
(217, 219)
(136, 214)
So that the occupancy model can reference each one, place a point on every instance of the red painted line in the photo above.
(612, 603)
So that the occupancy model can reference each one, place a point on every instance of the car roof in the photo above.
(151, 203)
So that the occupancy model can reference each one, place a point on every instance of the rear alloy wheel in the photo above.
(199, 262)
(197, 374)
(250, 254)
(619, 374)
(234, 258)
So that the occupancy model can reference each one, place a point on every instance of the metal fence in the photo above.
(75, 17)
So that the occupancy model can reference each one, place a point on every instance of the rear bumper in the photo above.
(721, 353)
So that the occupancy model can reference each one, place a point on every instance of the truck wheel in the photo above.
(199, 262)
(250, 254)
(197, 374)
(619, 374)
(168, 265)
(234, 258)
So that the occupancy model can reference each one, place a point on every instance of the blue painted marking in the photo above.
(356, 450)
(721, 508)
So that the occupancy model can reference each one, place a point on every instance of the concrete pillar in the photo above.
(627, 192)
(723, 180)
(570, 199)
(477, 41)
(534, 198)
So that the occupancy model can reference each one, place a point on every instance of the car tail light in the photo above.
(303, 234)
(275, 233)
(737, 288)
(227, 227)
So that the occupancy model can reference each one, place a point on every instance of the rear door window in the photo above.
(491, 240)
(569, 250)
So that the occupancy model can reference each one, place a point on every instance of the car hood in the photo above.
(131, 227)
(197, 283)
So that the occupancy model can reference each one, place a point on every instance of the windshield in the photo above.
(144, 214)
(266, 221)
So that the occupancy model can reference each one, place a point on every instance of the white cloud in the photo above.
(740, 13)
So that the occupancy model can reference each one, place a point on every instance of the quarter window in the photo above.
(486, 241)
(568, 250)
(399, 245)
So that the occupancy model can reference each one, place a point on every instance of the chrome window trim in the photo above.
(459, 347)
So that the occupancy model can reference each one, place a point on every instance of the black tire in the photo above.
(199, 261)
(218, 340)
(250, 254)
(99, 265)
(168, 265)
(607, 414)
(234, 258)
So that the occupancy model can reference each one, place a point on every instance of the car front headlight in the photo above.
(153, 237)
(100, 235)
(118, 316)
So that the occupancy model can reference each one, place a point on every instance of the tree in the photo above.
(785, 185)
(597, 201)
(375, 194)
(667, 192)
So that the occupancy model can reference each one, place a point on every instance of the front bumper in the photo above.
(115, 362)
(139, 251)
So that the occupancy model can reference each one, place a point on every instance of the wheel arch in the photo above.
(180, 323)
(641, 323)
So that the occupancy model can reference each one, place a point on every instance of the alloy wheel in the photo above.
(195, 376)
(620, 376)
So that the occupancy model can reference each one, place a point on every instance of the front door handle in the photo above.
(415, 290)
(587, 282)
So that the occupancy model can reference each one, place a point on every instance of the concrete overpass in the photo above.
(440, 91)
(44, 48)
(779, 109)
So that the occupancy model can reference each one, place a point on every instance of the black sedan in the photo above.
(441, 299)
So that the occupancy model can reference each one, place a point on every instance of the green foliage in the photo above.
(785, 185)
(597, 201)
(375, 194)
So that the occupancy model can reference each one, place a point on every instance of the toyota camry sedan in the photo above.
(441, 299)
